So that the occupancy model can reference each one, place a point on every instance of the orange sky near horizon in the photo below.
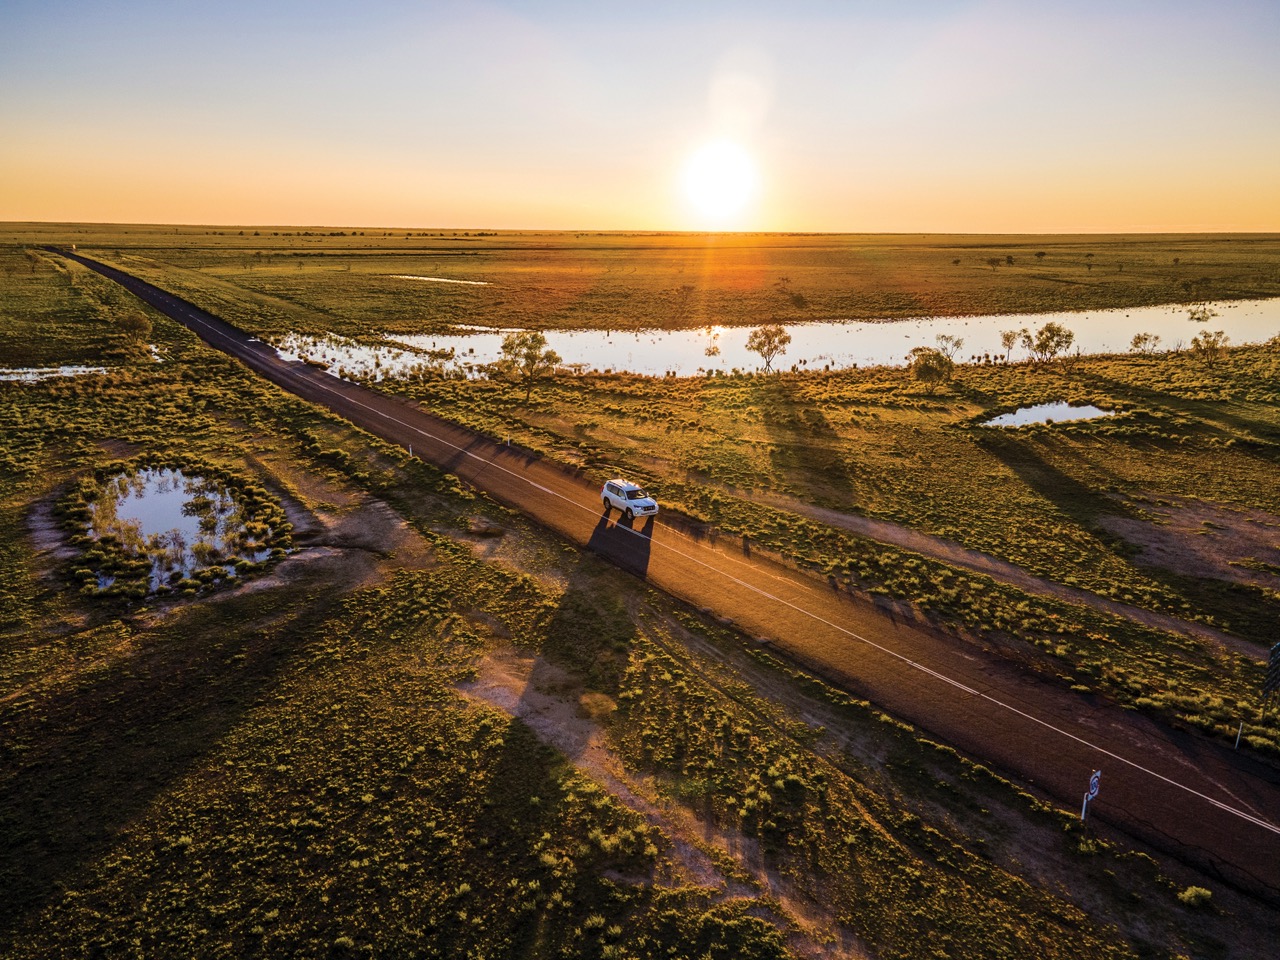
(959, 117)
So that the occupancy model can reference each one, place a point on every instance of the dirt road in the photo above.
(1186, 796)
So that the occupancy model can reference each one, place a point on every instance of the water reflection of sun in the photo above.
(720, 181)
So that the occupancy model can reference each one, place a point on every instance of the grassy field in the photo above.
(1076, 504)
(299, 768)
(873, 443)
(273, 280)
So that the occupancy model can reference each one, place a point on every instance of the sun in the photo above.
(720, 181)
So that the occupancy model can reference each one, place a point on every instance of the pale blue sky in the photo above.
(943, 116)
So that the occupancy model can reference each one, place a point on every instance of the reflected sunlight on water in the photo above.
(814, 346)
(1058, 412)
(180, 523)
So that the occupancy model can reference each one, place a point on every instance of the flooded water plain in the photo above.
(814, 346)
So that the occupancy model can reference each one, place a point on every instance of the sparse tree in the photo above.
(134, 325)
(956, 262)
(948, 345)
(1144, 343)
(770, 341)
(1009, 340)
(526, 358)
(1088, 262)
(930, 366)
(1210, 347)
(1201, 313)
(1040, 255)
(1009, 259)
(1049, 342)
(993, 262)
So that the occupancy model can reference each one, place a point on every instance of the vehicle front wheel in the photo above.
(630, 514)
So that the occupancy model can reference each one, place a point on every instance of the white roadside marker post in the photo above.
(1093, 792)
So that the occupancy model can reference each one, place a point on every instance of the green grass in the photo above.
(273, 280)
(870, 443)
(288, 770)
(867, 442)
(291, 770)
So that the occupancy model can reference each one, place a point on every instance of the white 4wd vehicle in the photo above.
(629, 498)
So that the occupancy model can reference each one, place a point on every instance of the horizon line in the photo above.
(639, 231)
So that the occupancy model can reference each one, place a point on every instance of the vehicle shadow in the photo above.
(622, 543)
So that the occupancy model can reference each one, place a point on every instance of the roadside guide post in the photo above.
(1093, 792)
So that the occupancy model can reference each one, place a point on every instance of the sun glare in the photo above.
(720, 181)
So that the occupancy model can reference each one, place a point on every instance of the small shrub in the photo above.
(1195, 896)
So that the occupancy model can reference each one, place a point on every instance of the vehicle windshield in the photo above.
(637, 494)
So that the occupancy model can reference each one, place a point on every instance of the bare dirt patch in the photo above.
(48, 536)
(554, 705)
(348, 550)
(1199, 538)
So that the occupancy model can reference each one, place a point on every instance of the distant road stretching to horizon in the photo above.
(1180, 793)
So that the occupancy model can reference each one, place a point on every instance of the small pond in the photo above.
(171, 526)
(1059, 412)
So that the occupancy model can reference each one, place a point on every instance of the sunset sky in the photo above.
(848, 116)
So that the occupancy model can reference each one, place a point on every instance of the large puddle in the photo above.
(1060, 412)
(36, 374)
(469, 283)
(813, 346)
(179, 524)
